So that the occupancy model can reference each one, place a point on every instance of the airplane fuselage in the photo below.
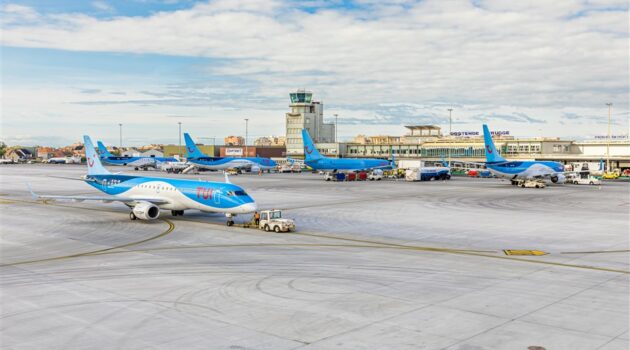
(347, 164)
(178, 193)
(136, 161)
(525, 169)
(233, 163)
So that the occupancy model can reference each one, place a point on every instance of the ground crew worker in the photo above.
(256, 218)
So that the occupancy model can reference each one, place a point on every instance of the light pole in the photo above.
(246, 134)
(609, 104)
(450, 123)
(120, 139)
(179, 148)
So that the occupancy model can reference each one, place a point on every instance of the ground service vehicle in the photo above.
(610, 175)
(291, 168)
(538, 183)
(271, 220)
(584, 180)
(376, 175)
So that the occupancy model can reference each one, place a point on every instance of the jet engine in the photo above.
(558, 179)
(254, 169)
(146, 211)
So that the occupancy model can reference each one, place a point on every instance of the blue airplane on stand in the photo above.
(524, 170)
(137, 162)
(200, 160)
(147, 196)
(318, 162)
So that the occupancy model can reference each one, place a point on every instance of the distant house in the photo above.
(153, 153)
(234, 141)
(78, 151)
(19, 154)
(45, 153)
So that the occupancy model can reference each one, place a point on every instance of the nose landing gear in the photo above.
(229, 217)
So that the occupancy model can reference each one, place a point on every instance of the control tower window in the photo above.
(301, 97)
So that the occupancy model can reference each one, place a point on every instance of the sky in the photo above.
(535, 68)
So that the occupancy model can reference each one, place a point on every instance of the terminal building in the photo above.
(308, 114)
(426, 142)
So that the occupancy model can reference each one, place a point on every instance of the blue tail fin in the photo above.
(310, 151)
(392, 164)
(191, 149)
(444, 162)
(102, 150)
(492, 155)
(93, 161)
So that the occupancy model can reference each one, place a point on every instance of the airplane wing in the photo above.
(540, 173)
(106, 199)
(464, 162)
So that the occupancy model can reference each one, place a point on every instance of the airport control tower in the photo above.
(306, 114)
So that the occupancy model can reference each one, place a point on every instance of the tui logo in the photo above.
(489, 149)
(90, 162)
(307, 150)
(191, 150)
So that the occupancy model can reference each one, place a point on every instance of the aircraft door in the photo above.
(216, 196)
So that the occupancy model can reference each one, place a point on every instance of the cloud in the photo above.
(90, 91)
(102, 6)
(13, 14)
(380, 63)
(575, 118)
(493, 53)
(516, 117)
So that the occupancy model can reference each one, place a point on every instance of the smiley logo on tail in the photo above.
(489, 149)
(307, 150)
(90, 162)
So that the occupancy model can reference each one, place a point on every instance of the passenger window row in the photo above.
(158, 187)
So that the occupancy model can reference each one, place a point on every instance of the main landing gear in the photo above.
(177, 212)
(132, 216)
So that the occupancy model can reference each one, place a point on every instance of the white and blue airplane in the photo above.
(315, 160)
(146, 196)
(200, 160)
(525, 170)
(137, 162)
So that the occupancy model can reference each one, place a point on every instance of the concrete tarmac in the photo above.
(374, 265)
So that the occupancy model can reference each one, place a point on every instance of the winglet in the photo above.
(33, 194)
(227, 179)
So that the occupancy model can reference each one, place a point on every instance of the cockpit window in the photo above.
(240, 193)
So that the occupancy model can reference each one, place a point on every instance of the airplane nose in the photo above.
(248, 208)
